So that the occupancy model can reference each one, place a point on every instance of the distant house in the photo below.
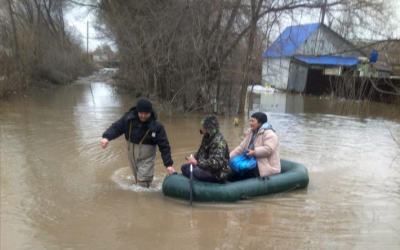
(304, 53)
(100, 57)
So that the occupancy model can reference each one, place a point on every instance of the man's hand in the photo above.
(104, 142)
(170, 170)
(192, 160)
(250, 153)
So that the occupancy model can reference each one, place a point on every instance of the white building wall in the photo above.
(275, 72)
(100, 57)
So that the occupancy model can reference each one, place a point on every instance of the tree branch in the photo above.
(83, 4)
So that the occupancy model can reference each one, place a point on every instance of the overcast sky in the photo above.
(78, 19)
(397, 11)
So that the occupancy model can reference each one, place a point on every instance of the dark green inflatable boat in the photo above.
(293, 175)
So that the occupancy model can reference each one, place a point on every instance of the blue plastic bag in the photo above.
(241, 164)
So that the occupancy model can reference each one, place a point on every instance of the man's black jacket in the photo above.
(156, 135)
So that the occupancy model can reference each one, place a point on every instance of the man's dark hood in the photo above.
(210, 123)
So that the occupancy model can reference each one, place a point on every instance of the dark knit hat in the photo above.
(144, 105)
(261, 117)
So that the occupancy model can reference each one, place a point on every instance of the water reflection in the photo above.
(280, 102)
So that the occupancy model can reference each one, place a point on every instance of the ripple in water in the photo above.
(123, 178)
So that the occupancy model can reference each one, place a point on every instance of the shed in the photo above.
(286, 63)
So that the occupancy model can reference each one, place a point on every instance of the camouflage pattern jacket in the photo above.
(213, 154)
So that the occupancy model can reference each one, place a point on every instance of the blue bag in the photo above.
(241, 164)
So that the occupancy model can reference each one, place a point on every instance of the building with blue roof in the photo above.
(301, 49)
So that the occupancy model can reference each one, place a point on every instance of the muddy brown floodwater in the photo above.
(61, 190)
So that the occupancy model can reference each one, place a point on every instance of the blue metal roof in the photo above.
(329, 60)
(290, 40)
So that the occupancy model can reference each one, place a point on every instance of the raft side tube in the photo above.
(293, 175)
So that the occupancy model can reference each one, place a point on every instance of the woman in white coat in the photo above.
(261, 142)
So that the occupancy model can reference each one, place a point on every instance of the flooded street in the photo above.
(61, 190)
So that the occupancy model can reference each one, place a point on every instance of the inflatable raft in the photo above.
(293, 175)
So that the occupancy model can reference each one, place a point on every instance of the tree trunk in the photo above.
(38, 50)
(248, 69)
(155, 87)
(14, 28)
(216, 109)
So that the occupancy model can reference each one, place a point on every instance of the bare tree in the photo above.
(192, 54)
(41, 46)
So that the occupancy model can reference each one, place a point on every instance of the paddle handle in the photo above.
(191, 183)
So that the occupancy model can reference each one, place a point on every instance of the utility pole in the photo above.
(316, 48)
(323, 11)
(14, 29)
(87, 40)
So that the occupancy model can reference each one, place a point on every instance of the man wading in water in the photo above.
(142, 132)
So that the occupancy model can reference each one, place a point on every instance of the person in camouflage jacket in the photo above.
(210, 163)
